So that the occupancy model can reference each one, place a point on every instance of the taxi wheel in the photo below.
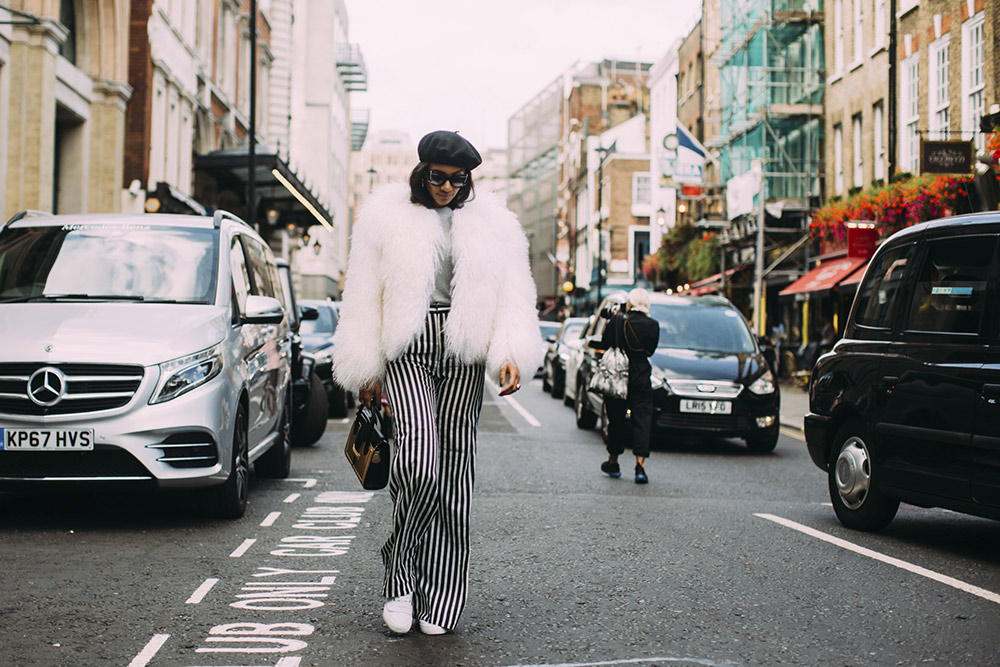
(277, 461)
(307, 430)
(229, 499)
(854, 482)
(338, 402)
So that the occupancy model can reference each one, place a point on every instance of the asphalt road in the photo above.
(725, 558)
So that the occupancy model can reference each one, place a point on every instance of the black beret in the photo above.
(444, 147)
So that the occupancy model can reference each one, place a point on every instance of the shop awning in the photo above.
(711, 284)
(278, 188)
(825, 276)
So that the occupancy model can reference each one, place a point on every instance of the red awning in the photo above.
(709, 285)
(825, 276)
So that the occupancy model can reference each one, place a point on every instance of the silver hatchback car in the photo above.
(142, 348)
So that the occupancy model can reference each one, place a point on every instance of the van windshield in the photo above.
(99, 262)
(702, 328)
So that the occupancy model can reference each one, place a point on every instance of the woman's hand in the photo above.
(510, 378)
(372, 392)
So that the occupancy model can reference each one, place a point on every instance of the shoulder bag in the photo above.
(611, 374)
(367, 450)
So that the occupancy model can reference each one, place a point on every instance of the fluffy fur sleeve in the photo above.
(516, 334)
(357, 354)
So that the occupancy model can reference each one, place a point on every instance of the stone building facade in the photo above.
(63, 95)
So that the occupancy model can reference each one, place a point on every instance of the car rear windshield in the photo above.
(97, 262)
(326, 323)
(703, 328)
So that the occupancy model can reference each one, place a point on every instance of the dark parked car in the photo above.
(906, 407)
(317, 338)
(554, 362)
(710, 376)
(308, 393)
(548, 330)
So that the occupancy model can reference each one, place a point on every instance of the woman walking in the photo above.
(438, 293)
(630, 421)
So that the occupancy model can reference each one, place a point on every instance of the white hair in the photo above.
(638, 299)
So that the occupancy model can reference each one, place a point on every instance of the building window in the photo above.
(937, 93)
(972, 79)
(641, 194)
(838, 160)
(878, 23)
(859, 28)
(838, 37)
(909, 112)
(856, 149)
(878, 118)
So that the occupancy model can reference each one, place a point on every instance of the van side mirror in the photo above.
(263, 310)
(308, 313)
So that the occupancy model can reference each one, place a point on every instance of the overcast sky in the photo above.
(469, 65)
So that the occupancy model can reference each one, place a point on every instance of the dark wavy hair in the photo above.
(420, 195)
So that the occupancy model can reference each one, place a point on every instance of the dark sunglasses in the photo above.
(437, 178)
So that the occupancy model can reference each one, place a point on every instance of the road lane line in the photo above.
(633, 661)
(292, 498)
(528, 417)
(202, 591)
(270, 519)
(310, 482)
(147, 653)
(242, 549)
(792, 433)
(889, 560)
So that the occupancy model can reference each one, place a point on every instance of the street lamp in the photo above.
(371, 178)
(661, 218)
(602, 154)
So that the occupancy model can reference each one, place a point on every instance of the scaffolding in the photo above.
(770, 58)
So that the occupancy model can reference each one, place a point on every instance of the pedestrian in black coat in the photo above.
(630, 421)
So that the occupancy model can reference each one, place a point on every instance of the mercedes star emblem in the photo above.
(47, 386)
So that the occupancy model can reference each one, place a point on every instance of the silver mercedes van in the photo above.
(148, 349)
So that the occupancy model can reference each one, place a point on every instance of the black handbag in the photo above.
(367, 449)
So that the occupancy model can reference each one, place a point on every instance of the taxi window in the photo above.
(950, 291)
(878, 296)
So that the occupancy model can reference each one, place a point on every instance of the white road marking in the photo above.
(146, 654)
(292, 498)
(202, 591)
(242, 549)
(889, 560)
(270, 519)
(528, 417)
(309, 481)
(633, 661)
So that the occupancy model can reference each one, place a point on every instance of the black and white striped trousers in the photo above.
(436, 401)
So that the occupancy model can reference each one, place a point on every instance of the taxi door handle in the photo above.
(991, 392)
(889, 383)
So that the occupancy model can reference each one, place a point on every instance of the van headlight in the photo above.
(181, 375)
(764, 384)
(657, 379)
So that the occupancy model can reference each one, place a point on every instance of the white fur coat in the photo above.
(390, 278)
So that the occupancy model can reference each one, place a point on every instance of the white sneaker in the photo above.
(431, 629)
(398, 614)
